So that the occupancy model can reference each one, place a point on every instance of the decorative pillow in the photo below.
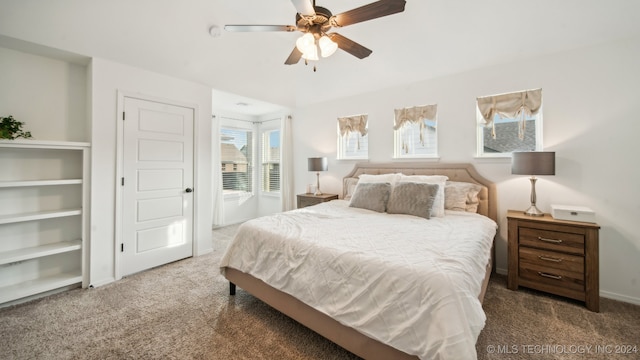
(371, 196)
(368, 179)
(461, 196)
(412, 198)
(438, 204)
(350, 184)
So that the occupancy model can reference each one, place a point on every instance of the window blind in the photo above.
(271, 161)
(236, 155)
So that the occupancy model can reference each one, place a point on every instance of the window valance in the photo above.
(511, 106)
(414, 115)
(356, 124)
(353, 124)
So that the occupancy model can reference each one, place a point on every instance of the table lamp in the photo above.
(533, 163)
(318, 164)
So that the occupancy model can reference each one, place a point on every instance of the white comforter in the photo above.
(406, 281)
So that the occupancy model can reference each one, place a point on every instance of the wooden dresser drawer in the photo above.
(307, 202)
(560, 282)
(552, 240)
(552, 260)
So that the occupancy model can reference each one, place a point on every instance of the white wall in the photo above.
(590, 121)
(47, 94)
(107, 78)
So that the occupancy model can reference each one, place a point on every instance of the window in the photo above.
(236, 154)
(509, 122)
(353, 142)
(271, 161)
(415, 132)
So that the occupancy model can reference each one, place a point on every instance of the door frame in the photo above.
(119, 201)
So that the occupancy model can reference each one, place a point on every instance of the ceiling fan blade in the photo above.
(304, 7)
(367, 12)
(294, 57)
(350, 46)
(254, 28)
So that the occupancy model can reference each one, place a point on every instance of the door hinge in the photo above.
(122, 181)
(123, 116)
(121, 247)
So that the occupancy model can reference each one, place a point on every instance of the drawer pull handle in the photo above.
(555, 277)
(555, 241)
(549, 259)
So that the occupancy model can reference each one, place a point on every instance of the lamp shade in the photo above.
(305, 42)
(311, 53)
(327, 46)
(318, 164)
(533, 163)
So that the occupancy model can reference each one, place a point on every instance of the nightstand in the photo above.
(305, 200)
(556, 256)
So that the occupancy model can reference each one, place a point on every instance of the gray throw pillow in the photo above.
(412, 199)
(371, 196)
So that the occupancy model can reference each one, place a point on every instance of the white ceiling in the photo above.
(432, 38)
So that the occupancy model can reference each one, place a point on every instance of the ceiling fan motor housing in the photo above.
(319, 22)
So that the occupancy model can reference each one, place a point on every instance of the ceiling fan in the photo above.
(315, 22)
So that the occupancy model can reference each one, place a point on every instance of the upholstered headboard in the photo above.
(456, 172)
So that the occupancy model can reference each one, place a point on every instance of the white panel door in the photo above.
(157, 195)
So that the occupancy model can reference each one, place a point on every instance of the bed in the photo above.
(384, 315)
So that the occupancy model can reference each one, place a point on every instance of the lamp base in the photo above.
(533, 211)
(318, 192)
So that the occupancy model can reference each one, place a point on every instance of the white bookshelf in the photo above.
(43, 224)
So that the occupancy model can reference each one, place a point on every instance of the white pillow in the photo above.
(381, 178)
(438, 204)
(368, 179)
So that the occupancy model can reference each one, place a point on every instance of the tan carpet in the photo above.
(183, 311)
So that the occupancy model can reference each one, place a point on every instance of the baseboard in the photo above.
(620, 297)
(102, 283)
(40, 295)
(204, 252)
(501, 271)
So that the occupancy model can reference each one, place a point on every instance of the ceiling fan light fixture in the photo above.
(327, 46)
(311, 53)
(305, 43)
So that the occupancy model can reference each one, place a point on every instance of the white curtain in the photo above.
(218, 197)
(417, 115)
(511, 106)
(286, 165)
(353, 124)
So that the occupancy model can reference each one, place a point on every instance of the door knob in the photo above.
(188, 190)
